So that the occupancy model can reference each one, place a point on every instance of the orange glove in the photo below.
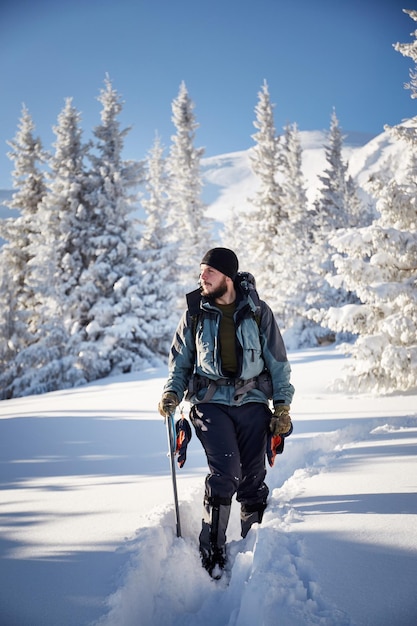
(183, 430)
(274, 446)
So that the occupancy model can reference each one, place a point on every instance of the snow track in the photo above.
(271, 579)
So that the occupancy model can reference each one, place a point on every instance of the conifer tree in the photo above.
(12, 326)
(293, 183)
(159, 253)
(409, 49)
(295, 278)
(235, 235)
(17, 297)
(49, 362)
(379, 262)
(65, 214)
(336, 207)
(267, 220)
(331, 207)
(29, 183)
(191, 229)
(116, 323)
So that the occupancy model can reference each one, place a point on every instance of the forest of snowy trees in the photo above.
(88, 290)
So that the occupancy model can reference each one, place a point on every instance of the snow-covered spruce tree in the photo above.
(66, 209)
(29, 183)
(266, 246)
(159, 254)
(190, 227)
(293, 184)
(235, 235)
(379, 262)
(17, 298)
(117, 324)
(336, 207)
(295, 279)
(9, 334)
(410, 50)
(50, 362)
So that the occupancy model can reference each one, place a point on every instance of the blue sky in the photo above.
(314, 54)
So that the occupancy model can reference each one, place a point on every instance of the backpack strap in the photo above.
(245, 283)
(193, 304)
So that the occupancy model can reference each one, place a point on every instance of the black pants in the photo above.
(234, 440)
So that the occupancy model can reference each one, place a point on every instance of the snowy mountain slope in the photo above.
(229, 180)
(379, 154)
(87, 533)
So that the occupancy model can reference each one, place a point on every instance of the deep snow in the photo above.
(87, 523)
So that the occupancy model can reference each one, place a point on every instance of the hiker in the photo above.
(228, 354)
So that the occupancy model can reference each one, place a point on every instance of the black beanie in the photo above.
(223, 260)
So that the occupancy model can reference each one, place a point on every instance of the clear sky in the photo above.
(314, 54)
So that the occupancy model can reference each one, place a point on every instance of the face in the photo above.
(213, 283)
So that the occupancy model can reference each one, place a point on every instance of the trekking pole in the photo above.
(171, 444)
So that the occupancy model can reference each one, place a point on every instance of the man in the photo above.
(225, 343)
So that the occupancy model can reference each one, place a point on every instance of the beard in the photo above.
(216, 293)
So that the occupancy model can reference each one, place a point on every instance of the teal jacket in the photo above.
(195, 353)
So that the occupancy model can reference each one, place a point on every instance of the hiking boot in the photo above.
(251, 514)
(214, 561)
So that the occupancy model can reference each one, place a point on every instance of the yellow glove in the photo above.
(168, 403)
(280, 421)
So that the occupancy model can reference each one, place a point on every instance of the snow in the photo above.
(229, 180)
(87, 515)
